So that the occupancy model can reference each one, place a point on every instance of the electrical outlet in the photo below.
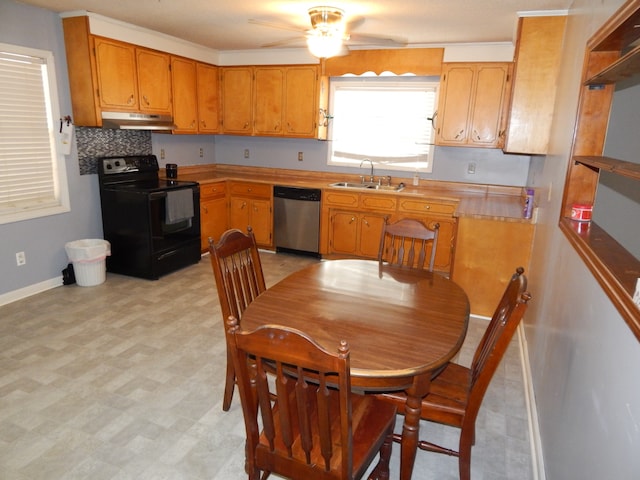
(21, 259)
(246, 153)
(471, 168)
(300, 156)
(201, 152)
(162, 154)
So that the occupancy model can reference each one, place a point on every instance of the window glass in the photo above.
(32, 172)
(384, 119)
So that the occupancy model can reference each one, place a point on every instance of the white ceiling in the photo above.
(224, 24)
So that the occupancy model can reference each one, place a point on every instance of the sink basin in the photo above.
(349, 185)
(368, 186)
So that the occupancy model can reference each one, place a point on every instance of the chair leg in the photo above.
(464, 457)
(229, 384)
(381, 472)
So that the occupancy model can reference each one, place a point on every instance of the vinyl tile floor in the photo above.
(124, 380)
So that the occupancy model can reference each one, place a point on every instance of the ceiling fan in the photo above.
(329, 32)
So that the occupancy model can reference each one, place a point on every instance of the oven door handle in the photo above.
(157, 195)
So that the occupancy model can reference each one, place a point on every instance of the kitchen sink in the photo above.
(368, 186)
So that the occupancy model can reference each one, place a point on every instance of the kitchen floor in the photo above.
(124, 380)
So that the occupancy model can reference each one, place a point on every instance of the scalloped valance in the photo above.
(419, 61)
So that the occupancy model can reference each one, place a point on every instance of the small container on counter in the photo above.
(581, 212)
(528, 203)
(172, 170)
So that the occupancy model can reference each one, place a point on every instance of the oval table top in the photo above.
(398, 323)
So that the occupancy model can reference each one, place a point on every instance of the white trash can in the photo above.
(89, 260)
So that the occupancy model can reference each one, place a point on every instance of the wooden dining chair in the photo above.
(235, 261)
(405, 243)
(456, 393)
(316, 428)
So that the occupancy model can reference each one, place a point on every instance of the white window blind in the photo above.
(386, 120)
(32, 174)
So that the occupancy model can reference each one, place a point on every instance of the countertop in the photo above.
(491, 202)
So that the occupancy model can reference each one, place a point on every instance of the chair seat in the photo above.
(371, 418)
(447, 398)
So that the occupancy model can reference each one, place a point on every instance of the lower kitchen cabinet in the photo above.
(250, 204)
(487, 254)
(356, 234)
(213, 212)
(430, 212)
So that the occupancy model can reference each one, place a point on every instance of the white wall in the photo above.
(583, 356)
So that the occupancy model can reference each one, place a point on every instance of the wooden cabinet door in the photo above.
(343, 234)
(268, 88)
(213, 220)
(486, 126)
(185, 114)
(472, 105)
(370, 232)
(239, 213)
(260, 221)
(208, 97)
(456, 95)
(300, 101)
(116, 71)
(154, 81)
(237, 100)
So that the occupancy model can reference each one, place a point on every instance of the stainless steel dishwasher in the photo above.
(296, 219)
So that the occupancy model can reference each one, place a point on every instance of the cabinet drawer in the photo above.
(213, 190)
(426, 206)
(378, 202)
(262, 190)
(340, 199)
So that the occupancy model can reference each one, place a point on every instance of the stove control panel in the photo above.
(126, 164)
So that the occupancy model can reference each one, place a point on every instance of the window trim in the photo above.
(393, 81)
(61, 202)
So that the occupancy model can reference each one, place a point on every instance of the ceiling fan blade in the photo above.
(373, 40)
(281, 26)
(284, 42)
(354, 23)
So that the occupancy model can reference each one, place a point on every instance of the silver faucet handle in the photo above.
(361, 178)
(388, 180)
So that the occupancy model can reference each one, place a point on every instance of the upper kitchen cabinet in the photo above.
(270, 100)
(185, 112)
(236, 86)
(208, 98)
(107, 75)
(537, 63)
(195, 96)
(472, 104)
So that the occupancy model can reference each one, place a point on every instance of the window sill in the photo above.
(615, 269)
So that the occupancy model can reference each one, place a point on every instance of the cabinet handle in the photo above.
(206, 210)
(364, 220)
(204, 124)
(289, 128)
(475, 132)
(244, 204)
(131, 100)
(276, 127)
(146, 100)
(427, 207)
(353, 219)
(459, 134)
(246, 125)
(193, 124)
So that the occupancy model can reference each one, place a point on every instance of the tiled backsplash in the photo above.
(105, 142)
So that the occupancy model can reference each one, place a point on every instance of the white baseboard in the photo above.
(25, 292)
(532, 412)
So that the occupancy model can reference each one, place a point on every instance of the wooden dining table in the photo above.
(401, 325)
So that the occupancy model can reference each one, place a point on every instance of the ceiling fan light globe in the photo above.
(324, 46)
(327, 19)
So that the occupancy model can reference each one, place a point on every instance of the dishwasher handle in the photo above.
(297, 193)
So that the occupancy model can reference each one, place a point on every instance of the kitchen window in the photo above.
(384, 119)
(32, 172)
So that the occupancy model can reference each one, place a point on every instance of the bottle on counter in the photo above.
(528, 203)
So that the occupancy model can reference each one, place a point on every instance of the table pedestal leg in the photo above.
(411, 426)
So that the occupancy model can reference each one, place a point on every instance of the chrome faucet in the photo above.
(368, 160)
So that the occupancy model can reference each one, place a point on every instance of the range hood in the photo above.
(137, 121)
